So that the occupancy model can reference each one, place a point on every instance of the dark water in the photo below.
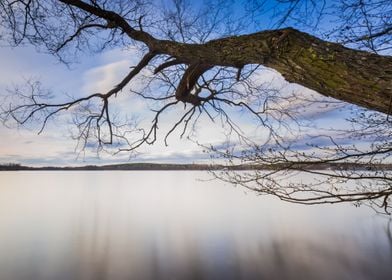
(169, 225)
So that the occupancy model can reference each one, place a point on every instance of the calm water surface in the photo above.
(172, 225)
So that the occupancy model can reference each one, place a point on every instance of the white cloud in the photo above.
(104, 78)
(54, 146)
(299, 101)
(100, 74)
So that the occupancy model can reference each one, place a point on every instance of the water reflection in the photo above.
(167, 225)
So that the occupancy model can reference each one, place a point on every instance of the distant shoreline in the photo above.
(201, 167)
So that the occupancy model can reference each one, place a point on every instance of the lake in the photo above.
(178, 225)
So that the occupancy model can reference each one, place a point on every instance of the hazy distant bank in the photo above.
(167, 166)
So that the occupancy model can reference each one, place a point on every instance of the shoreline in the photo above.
(201, 167)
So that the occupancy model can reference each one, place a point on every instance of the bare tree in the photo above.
(201, 58)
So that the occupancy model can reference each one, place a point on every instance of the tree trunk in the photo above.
(353, 76)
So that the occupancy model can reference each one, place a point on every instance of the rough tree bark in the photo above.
(353, 76)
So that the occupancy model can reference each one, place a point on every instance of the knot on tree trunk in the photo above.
(188, 82)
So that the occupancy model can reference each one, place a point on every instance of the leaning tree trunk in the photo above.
(353, 76)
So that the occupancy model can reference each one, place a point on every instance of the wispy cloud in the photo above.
(100, 74)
